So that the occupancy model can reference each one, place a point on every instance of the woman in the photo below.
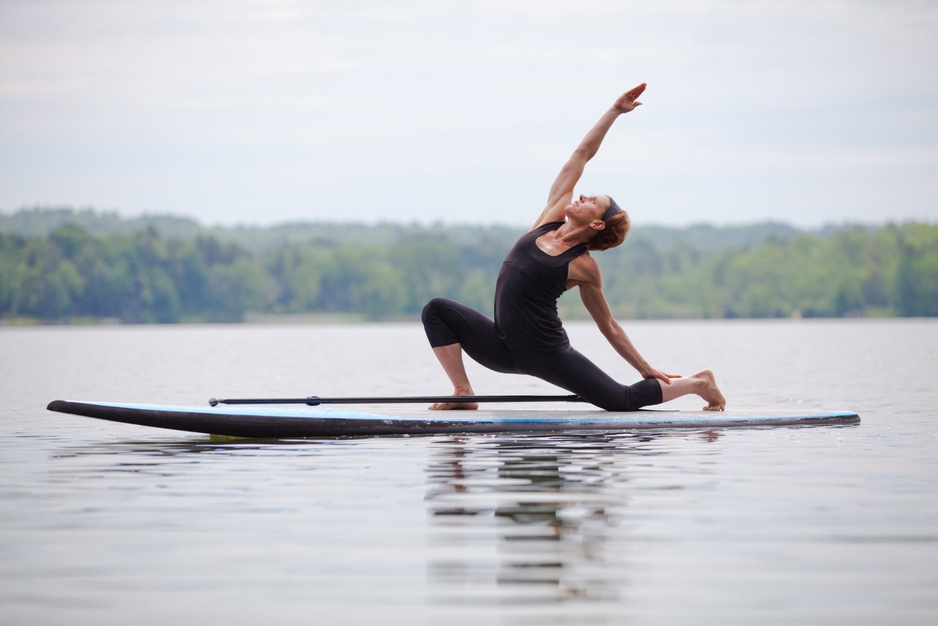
(527, 336)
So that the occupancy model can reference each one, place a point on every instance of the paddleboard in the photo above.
(290, 422)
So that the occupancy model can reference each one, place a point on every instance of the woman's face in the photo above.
(585, 209)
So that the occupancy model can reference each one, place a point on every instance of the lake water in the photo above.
(114, 524)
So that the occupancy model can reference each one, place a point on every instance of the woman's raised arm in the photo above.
(561, 192)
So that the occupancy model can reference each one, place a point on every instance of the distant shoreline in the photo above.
(101, 269)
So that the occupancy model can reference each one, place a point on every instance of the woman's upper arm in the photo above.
(591, 293)
(561, 192)
(551, 213)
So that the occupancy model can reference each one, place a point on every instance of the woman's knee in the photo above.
(643, 393)
(431, 309)
(439, 333)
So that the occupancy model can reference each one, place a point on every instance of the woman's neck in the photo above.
(557, 241)
(572, 234)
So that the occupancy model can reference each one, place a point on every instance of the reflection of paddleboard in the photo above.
(315, 421)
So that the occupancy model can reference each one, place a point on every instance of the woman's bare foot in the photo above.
(456, 406)
(450, 358)
(709, 391)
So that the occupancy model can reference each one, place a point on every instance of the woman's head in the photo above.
(615, 227)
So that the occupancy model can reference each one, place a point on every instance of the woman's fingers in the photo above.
(628, 101)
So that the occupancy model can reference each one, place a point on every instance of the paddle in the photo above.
(316, 400)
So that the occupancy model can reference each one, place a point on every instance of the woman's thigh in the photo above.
(448, 321)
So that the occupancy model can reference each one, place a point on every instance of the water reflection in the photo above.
(535, 519)
(201, 444)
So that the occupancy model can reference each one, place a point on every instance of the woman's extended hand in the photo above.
(665, 378)
(628, 100)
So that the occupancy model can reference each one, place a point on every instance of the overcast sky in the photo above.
(251, 111)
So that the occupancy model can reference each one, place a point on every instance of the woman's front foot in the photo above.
(709, 391)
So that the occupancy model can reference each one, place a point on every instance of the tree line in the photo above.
(71, 273)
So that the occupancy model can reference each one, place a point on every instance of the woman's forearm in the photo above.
(594, 138)
(589, 146)
(621, 343)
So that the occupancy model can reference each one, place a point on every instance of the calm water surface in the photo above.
(106, 523)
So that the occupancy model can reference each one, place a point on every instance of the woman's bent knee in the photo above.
(438, 331)
(430, 309)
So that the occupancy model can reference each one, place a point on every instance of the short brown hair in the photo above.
(617, 227)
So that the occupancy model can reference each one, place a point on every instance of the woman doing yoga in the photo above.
(526, 336)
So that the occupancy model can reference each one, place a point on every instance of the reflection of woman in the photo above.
(527, 336)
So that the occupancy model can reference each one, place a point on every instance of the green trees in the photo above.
(143, 276)
(138, 277)
(891, 270)
(916, 275)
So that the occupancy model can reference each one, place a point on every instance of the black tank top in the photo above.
(529, 284)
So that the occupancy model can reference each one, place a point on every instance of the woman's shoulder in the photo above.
(584, 269)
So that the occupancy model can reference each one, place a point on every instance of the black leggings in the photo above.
(447, 322)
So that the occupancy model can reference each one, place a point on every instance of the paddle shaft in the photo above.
(316, 400)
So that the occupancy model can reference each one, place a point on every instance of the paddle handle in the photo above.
(316, 400)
